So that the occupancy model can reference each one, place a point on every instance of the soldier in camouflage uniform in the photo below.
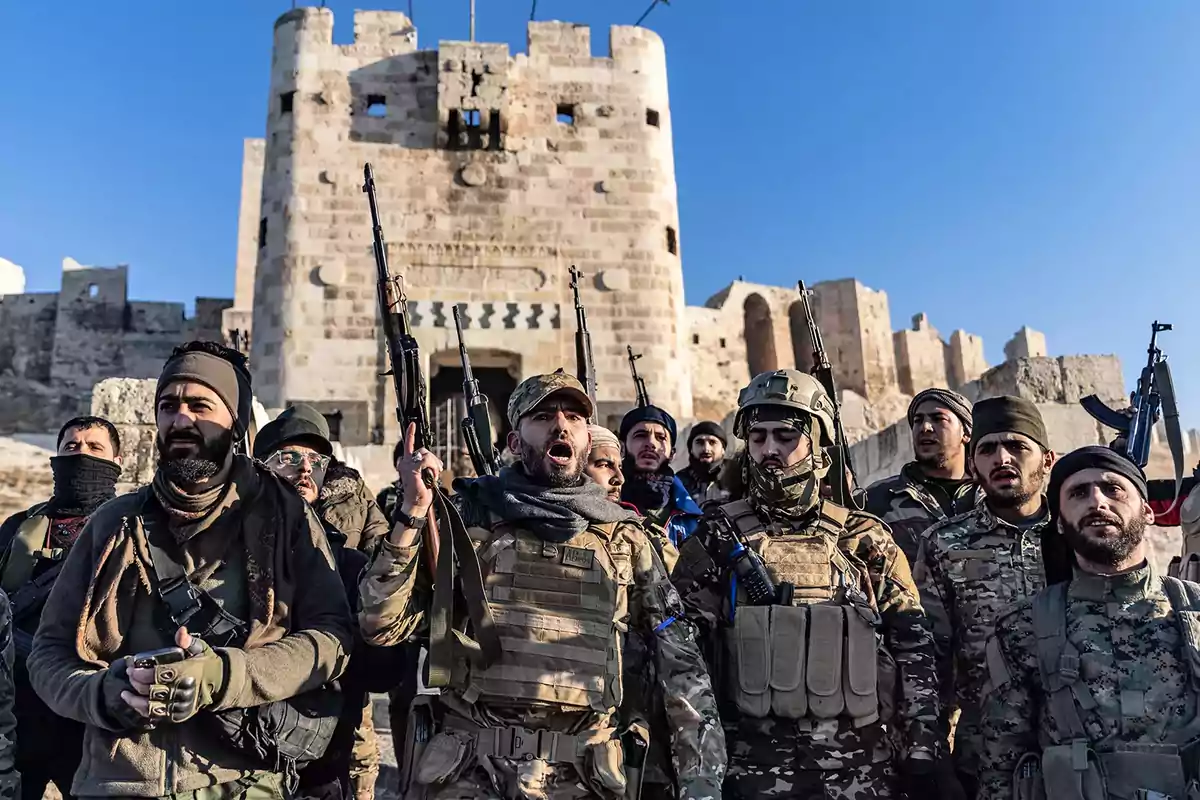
(1094, 684)
(979, 563)
(811, 670)
(565, 572)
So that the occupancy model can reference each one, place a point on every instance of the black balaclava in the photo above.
(82, 483)
(649, 491)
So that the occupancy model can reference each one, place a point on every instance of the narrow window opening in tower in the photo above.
(470, 118)
(493, 142)
(262, 233)
(722, 343)
(565, 114)
(695, 338)
(376, 105)
(476, 81)
(93, 290)
(652, 117)
(672, 241)
(285, 102)
(334, 420)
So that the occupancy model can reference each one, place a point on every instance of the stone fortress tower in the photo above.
(495, 174)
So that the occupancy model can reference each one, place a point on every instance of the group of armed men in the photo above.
(988, 627)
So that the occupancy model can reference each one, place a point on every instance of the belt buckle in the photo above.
(522, 743)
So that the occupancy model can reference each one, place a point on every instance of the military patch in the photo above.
(578, 557)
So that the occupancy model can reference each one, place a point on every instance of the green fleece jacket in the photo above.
(305, 644)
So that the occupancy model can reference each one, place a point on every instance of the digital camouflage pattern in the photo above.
(1131, 660)
(909, 505)
(396, 597)
(10, 779)
(977, 566)
(781, 757)
(868, 782)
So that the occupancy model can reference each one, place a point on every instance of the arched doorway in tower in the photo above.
(760, 335)
(802, 343)
(496, 371)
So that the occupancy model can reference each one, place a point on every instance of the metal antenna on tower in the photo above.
(533, 11)
(472, 20)
(653, 3)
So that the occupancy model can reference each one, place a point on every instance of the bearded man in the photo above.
(706, 444)
(651, 486)
(979, 563)
(1093, 688)
(220, 558)
(604, 462)
(565, 573)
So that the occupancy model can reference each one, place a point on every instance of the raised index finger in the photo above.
(410, 438)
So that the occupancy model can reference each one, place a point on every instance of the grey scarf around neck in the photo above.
(552, 513)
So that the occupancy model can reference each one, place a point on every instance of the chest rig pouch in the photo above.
(560, 611)
(1072, 769)
(816, 655)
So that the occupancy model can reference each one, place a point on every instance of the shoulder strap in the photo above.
(1185, 602)
(25, 549)
(1058, 662)
(835, 514)
(186, 603)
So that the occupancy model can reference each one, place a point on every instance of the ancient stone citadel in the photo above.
(496, 173)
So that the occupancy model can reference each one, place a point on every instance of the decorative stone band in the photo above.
(501, 316)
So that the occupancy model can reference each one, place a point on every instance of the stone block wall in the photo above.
(1065, 379)
(89, 327)
(27, 342)
(1026, 343)
(495, 174)
(128, 403)
(965, 360)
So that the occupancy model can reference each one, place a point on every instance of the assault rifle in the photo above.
(477, 424)
(1154, 397)
(843, 486)
(453, 540)
(643, 397)
(585, 367)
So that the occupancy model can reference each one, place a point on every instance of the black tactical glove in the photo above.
(119, 713)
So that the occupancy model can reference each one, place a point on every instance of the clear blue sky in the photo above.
(993, 164)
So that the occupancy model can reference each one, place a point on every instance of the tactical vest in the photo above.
(559, 611)
(27, 549)
(1074, 770)
(1187, 566)
(819, 658)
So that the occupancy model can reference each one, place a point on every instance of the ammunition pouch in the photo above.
(418, 731)
(1074, 771)
(819, 661)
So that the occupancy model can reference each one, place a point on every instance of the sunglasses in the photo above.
(291, 458)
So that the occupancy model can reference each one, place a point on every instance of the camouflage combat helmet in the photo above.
(791, 389)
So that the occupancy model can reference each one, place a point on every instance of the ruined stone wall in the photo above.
(253, 152)
(965, 360)
(206, 324)
(495, 174)
(89, 328)
(27, 334)
(128, 403)
(921, 357)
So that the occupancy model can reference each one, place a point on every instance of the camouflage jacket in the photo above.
(909, 504)
(397, 595)
(978, 566)
(345, 503)
(1131, 662)
(906, 635)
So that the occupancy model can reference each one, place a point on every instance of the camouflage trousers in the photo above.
(364, 757)
(868, 782)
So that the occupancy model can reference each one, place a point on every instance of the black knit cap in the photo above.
(1007, 414)
(300, 424)
(1092, 457)
(707, 429)
(648, 414)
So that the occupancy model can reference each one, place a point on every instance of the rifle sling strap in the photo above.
(456, 552)
(188, 604)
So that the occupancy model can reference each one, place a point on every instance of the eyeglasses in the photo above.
(292, 458)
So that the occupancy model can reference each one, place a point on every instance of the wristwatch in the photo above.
(409, 523)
